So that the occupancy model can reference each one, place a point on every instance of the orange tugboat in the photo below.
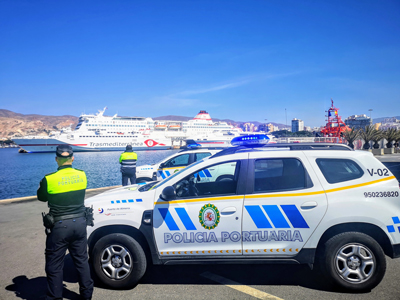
(334, 126)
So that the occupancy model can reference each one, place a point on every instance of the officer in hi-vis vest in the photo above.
(128, 165)
(64, 191)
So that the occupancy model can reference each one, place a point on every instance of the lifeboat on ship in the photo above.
(175, 126)
(161, 127)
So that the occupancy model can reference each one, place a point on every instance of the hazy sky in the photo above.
(245, 60)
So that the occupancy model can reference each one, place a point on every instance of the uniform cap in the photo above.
(128, 147)
(64, 151)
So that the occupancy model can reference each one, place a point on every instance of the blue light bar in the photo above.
(255, 140)
(193, 146)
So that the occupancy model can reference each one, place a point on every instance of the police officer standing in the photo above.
(64, 191)
(128, 165)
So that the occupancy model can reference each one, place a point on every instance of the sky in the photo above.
(253, 60)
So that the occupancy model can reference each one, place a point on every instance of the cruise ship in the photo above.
(97, 132)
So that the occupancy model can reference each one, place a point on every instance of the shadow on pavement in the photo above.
(252, 275)
(35, 288)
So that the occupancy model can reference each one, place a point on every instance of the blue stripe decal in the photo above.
(139, 200)
(208, 174)
(123, 201)
(168, 173)
(112, 202)
(294, 216)
(396, 220)
(168, 219)
(390, 228)
(182, 213)
(258, 216)
(276, 216)
(202, 174)
(130, 200)
(118, 201)
(161, 174)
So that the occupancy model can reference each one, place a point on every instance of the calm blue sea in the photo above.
(20, 173)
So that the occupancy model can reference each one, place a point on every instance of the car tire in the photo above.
(119, 261)
(354, 261)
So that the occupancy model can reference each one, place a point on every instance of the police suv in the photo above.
(173, 163)
(322, 204)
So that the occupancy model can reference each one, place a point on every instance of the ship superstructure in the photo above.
(334, 126)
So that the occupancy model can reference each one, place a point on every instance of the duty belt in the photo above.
(67, 217)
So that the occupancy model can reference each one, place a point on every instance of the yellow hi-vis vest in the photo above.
(127, 156)
(66, 180)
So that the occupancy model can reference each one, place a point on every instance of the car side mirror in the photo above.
(162, 165)
(168, 193)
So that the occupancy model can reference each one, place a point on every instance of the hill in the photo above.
(15, 124)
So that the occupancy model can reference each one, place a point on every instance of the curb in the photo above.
(33, 198)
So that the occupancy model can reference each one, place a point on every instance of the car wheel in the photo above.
(119, 261)
(354, 261)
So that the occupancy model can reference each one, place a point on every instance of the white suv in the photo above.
(172, 164)
(320, 204)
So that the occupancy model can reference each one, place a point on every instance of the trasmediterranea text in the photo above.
(234, 236)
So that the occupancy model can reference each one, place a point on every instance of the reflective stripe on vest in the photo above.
(66, 180)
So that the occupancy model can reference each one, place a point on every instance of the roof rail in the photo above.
(287, 146)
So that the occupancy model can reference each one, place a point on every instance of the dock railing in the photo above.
(311, 140)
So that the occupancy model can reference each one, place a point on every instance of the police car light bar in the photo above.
(193, 146)
(255, 140)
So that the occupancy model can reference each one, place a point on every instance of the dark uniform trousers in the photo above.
(67, 234)
(128, 173)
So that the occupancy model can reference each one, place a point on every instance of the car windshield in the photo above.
(160, 183)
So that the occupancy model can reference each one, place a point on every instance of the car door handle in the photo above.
(228, 211)
(309, 205)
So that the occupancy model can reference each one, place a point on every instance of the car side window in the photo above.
(178, 161)
(280, 174)
(339, 170)
(199, 156)
(220, 179)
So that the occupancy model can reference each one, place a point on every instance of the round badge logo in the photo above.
(209, 216)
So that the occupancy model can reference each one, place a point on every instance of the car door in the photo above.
(205, 219)
(179, 162)
(173, 165)
(285, 204)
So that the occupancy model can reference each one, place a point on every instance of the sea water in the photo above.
(20, 173)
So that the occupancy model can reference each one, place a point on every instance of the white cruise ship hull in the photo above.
(38, 144)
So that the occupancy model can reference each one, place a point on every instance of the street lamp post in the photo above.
(370, 114)
(286, 118)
